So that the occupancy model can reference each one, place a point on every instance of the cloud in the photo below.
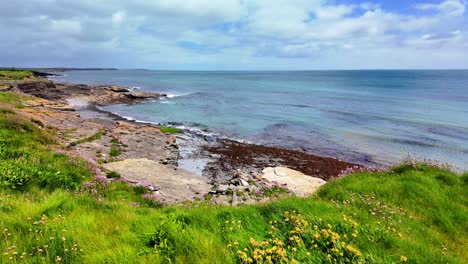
(448, 7)
(232, 34)
(334, 12)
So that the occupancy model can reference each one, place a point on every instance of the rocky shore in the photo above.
(175, 168)
(80, 93)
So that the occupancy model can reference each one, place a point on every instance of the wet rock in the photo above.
(143, 95)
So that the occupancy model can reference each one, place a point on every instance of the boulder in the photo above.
(223, 188)
(295, 181)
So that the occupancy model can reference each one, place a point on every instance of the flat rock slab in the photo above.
(173, 185)
(296, 181)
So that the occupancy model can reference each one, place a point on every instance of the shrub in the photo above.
(113, 174)
(115, 151)
(13, 176)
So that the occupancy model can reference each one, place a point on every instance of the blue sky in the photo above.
(235, 34)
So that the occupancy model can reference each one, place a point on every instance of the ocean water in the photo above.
(371, 117)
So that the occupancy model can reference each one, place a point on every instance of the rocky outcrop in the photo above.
(89, 94)
(169, 185)
(141, 95)
(40, 88)
(118, 89)
(295, 181)
(103, 94)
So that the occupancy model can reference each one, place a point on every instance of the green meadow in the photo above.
(15, 75)
(53, 208)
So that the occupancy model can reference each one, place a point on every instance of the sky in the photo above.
(235, 34)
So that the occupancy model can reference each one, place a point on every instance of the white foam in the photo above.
(76, 102)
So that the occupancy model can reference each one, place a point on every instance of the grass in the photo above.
(92, 138)
(51, 209)
(13, 99)
(170, 130)
(15, 75)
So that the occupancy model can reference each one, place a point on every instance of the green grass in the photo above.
(91, 138)
(115, 151)
(170, 130)
(26, 162)
(416, 214)
(15, 75)
(13, 99)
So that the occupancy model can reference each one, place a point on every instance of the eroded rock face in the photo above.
(173, 185)
(90, 94)
(41, 88)
(296, 181)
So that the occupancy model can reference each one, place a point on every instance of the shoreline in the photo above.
(195, 166)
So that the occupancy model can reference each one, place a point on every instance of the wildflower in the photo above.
(52, 238)
(403, 258)
(58, 259)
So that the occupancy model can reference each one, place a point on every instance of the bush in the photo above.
(115, 151)
(113, 174)
(13, 176)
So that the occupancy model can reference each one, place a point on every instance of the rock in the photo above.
(119, 89)
(235, 200)
(244, 183)
(223, 188)
(41, 88)
(297, 182)
(142, 95)
(173, 185)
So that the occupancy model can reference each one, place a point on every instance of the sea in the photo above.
(373, 117)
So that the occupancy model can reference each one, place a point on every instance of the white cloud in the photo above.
(118, 17)
(229, 33)
(448, 7)
(334, 12)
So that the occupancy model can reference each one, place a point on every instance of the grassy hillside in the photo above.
(15, 75)
(57, 208)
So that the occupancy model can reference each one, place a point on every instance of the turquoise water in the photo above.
(363, 116)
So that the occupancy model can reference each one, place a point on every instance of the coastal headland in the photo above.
(231, 172)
